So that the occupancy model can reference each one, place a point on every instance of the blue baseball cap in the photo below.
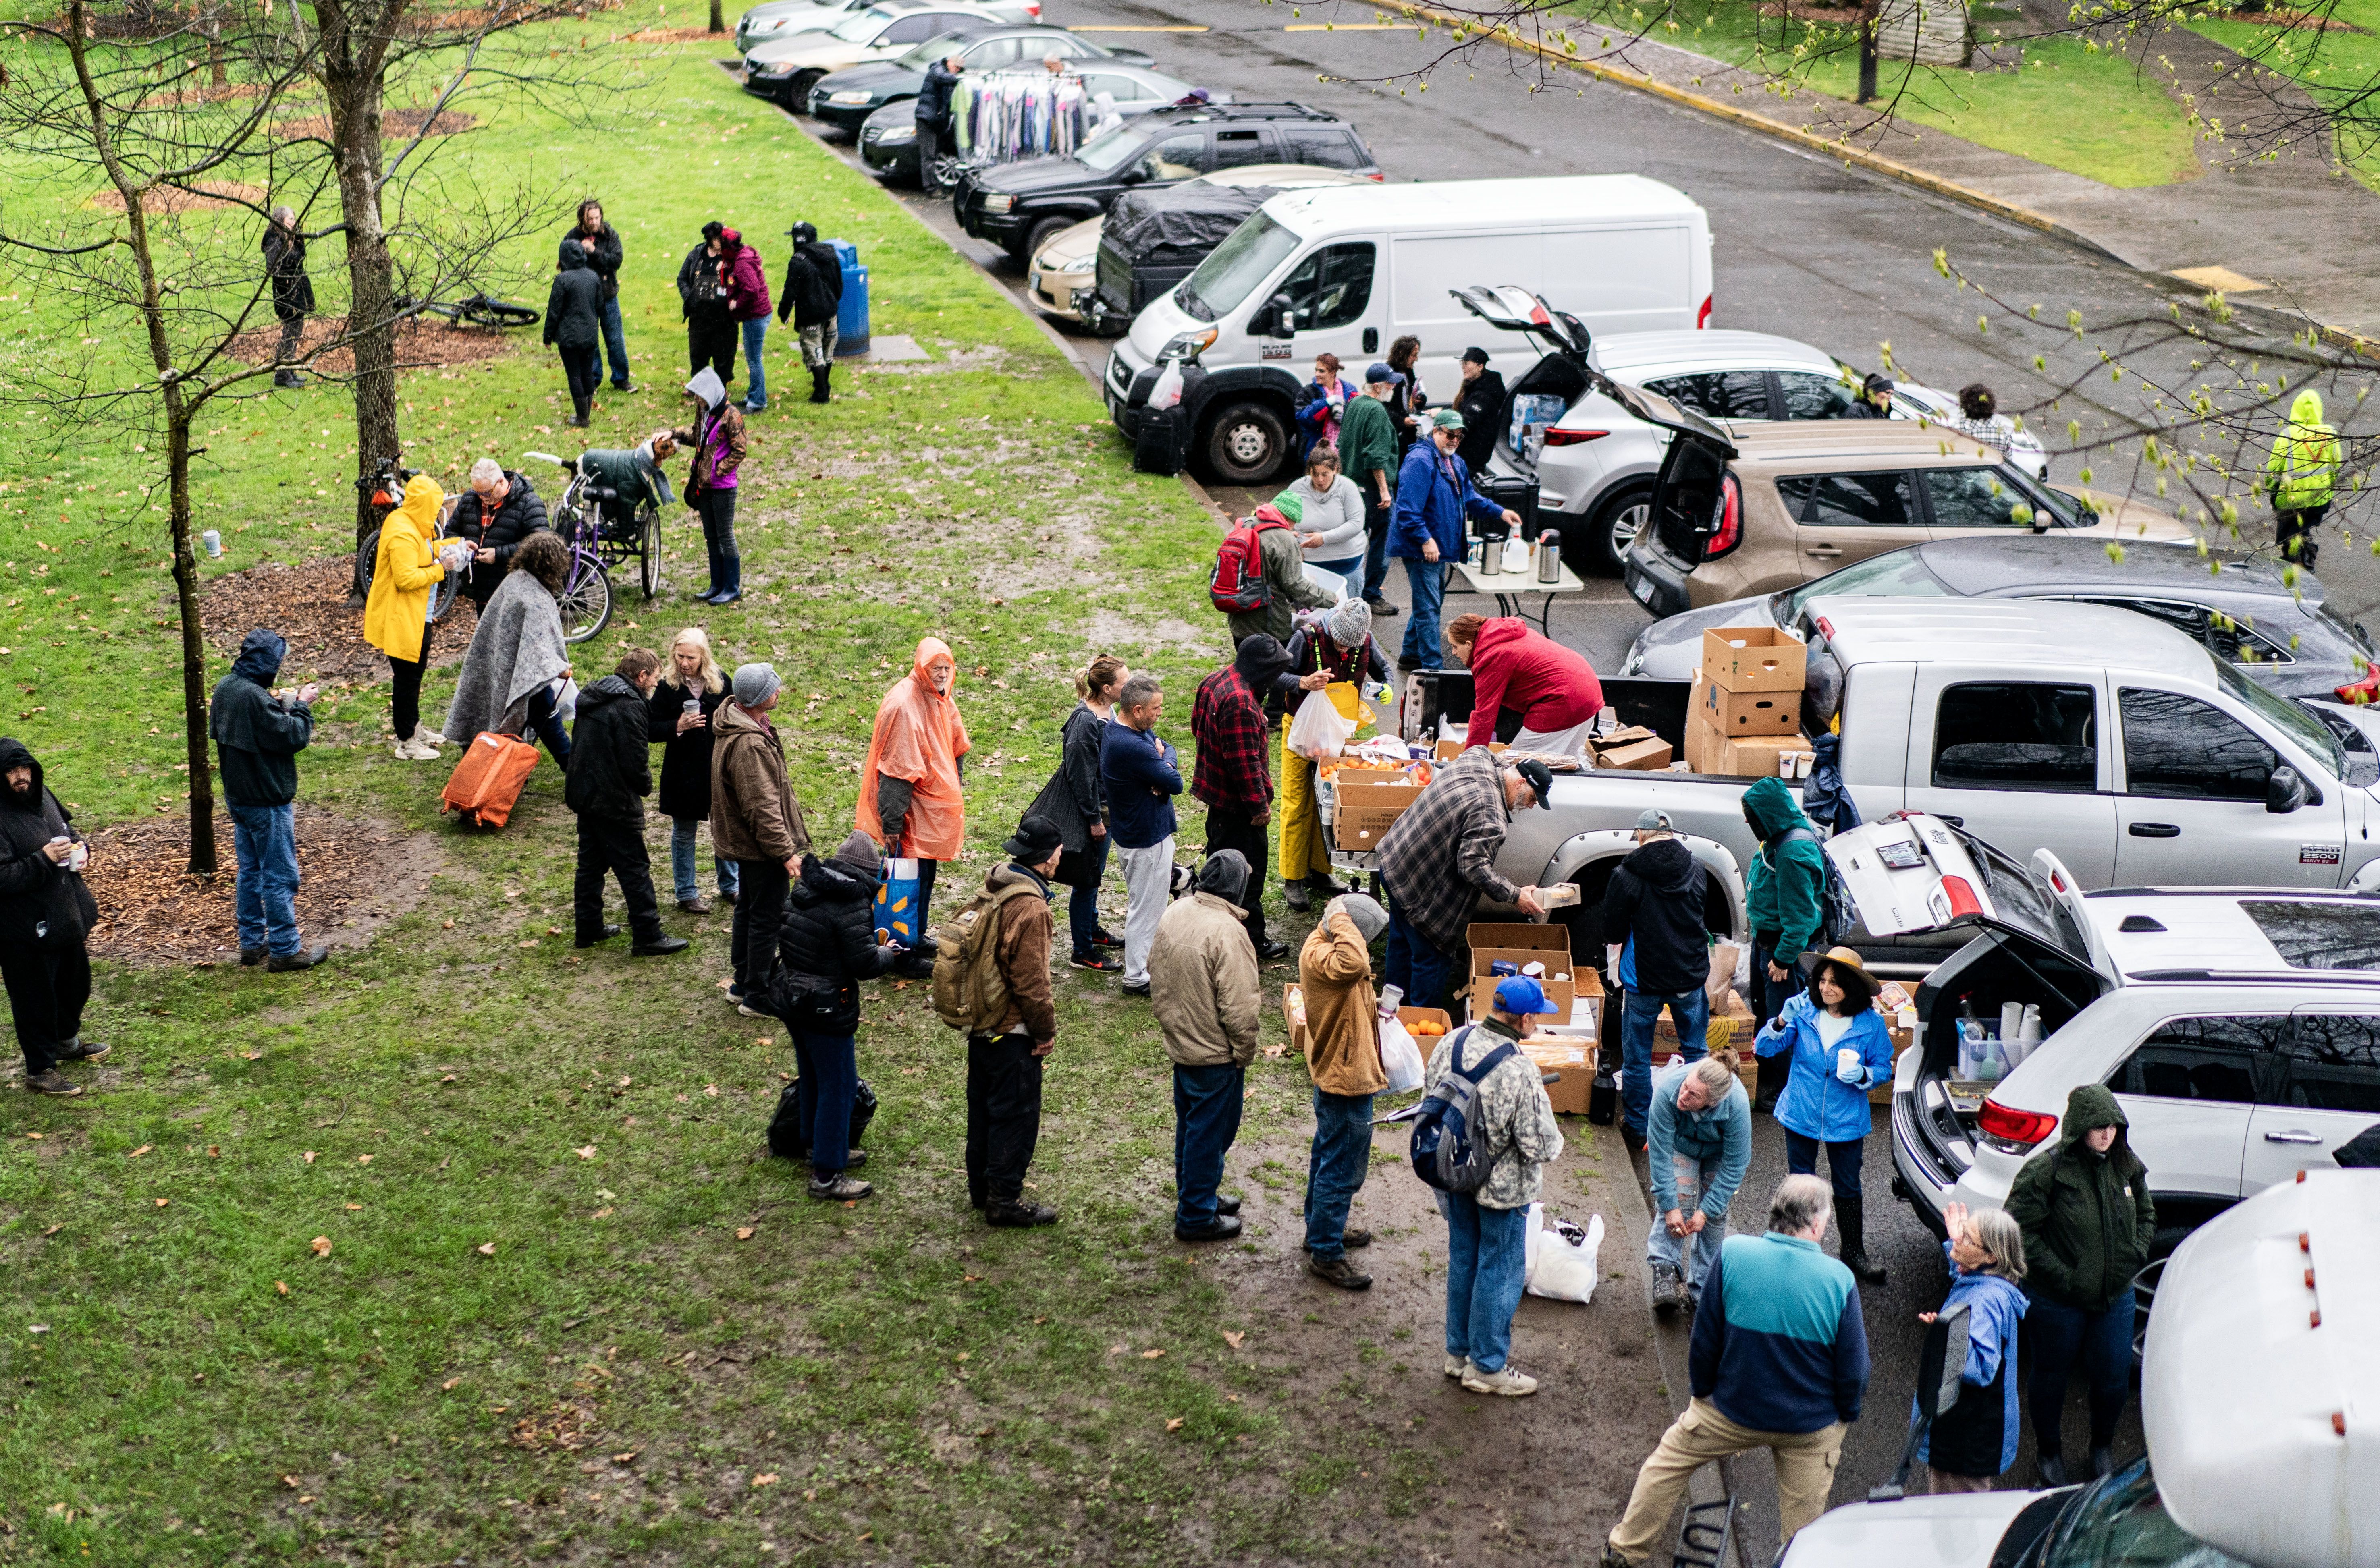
(1382, 371)
(1522, 994)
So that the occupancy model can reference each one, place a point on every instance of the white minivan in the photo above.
(1349, 270)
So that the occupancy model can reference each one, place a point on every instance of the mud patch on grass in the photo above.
(421, 343)
(307, 603)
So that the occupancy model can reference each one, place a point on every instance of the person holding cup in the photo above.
(1840, 1050)
(258, 735)
(692, 686)
(45, 914)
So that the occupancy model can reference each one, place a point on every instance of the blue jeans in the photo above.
(546, 725)
(1428, 579)
(264, 839)
(2102, 1340)
(1375, 548)
(829, 1078)
(1487, 1263)
(1206, 1119)
(1842, 1165)
(1335, 1169)
(682, 867)
(1639, 1012)
(1692, 1173)
(615, 341)
(1083, 903)
(756, 390)
(1413, 964)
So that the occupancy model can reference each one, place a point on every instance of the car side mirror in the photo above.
(1134, 175)
(1280, 318)
(2284, 792)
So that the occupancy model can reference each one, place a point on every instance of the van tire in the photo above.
(1607, 536)
(1246, 443)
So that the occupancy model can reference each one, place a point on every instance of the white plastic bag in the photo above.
(565, 699)
(1167, 392)
(1560, 1265)
(1400, 1057)
(1320, 729)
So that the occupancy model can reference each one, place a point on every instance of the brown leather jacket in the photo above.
(1021, 951)
(754, 816)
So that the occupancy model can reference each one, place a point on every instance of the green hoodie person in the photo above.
(2304, 464)
(2087, 1217)
(1784, 889)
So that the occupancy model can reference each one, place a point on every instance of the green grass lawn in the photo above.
(2337, 68)
(561, 1312)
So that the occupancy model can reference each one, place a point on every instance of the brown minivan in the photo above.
(1753, 508)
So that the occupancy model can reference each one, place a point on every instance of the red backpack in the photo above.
(1238, 586)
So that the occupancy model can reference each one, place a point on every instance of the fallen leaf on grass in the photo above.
(163, 1201)
(1151, 1354)
(530, 942)
(743, 1233)
(352, 1208)
(623, 1458)
(363, 1159)
(964, 1356)
(1117, 1349)
(322, 1245)
(252, 1056)
(1273, 1051)
(304, 1498)
(1233, 1337)
(214, 1151)
(447, 926)
(1174, 1425)
(137, 1152)
(1041, 1319)
(602, 1213)
(974, 1279)
(448, 1079)
(488, 1248)
(450, 1383)
(767, 1480)
(310, 1156)
(585, 1151)
(712, 1090)
(280, 1288)
(34, 1136)
(554, 931)
(56, 1228)
(1232, 1398)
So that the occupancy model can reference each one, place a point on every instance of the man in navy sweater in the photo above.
(1141, 778)
(1780, 1363)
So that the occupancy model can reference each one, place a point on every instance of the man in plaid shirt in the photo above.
(1234, 774)
(1438, 860)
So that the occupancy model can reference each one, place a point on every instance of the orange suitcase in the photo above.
(487, 780)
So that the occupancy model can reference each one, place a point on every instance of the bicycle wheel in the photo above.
(648, 550)
(586, 604)
(480, 310)
(367, 557)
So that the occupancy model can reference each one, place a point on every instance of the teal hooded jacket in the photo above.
(1785, 885)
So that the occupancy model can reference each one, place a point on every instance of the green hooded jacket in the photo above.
(2087, 1217)
(2304, 464)
(1785, 886)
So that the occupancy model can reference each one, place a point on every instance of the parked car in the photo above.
(784, 71)
(2254, 1356)
(1771, 505)
(1071, 259)
(888, 138)
(781, 19)
(2241, 607)
(1022, 206)
(844, 100)
(1595, 465)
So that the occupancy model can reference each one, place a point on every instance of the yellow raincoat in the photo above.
(2304, 464)
(397, 611)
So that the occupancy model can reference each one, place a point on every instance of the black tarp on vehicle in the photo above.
(1153, 239)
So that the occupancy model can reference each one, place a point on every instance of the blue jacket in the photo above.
(1434, 494)
(1142, 779)
(1994, 1305)
(1816, 1102)
(1721, 1132)
(1786, 1350)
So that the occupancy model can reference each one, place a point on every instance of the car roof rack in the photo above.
(1284, 109)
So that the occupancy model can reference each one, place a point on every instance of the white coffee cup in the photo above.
(1846, 1060)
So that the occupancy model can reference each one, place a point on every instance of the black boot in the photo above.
(1852, 1217)
(579, 402)
(818, 384)
(287, 379)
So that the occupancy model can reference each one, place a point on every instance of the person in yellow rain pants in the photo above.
(2298, 477)
(1334, 648)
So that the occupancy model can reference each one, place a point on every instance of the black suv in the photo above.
(1020, 205)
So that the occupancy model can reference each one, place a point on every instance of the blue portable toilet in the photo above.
(851, 320)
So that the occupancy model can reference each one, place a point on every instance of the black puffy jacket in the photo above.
(502, 531)
(41, 903)
(1656, 897)
(610, 767)
(574, 307)
(604, 261)
(826, 946)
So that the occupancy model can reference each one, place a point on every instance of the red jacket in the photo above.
(747, 285)
(1552, 686)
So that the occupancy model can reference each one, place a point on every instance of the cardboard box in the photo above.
(1705, 744)
(1292, 1008)
(1665, 1031)
(1641, 756)
(1754, 659)
(1439, 1016)
(1750, 713)
(1449, 750)
(1362, 813)
(1521, 944)
(1755, 756)
(1574, 1060)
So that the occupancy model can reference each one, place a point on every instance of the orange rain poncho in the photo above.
(920, 737)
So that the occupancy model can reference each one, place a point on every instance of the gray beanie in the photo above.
(860, 853)
(1225, 874)
(756, 683)
(1349, 622)
(1364, 910)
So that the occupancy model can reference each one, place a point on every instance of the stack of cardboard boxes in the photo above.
(1746, 710)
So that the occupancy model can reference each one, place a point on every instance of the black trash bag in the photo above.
(786, 1126)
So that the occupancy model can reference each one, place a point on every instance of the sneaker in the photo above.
(1668, 1290)
(415, 750)
(282, 963)
(1097, 962)
(842, 1189)
(1140, 990)
(1222, 1227)
(660, 948)
(423, 732)
(728, 598)
(1018, 1215)
(1337, 1271)
(750, 1011)
(1108, 939)
(694, 906)
(81, 1049)
(1382, 607)
(49, 1081)
(623, 387)
(1457, 1365)
(1508, 1382)
(606, 934)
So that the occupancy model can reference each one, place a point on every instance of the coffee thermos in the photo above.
(1549, 556)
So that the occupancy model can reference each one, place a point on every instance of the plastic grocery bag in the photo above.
(1321, 729)
(1560, 1261)
(565, 700)
(1167, 392)
(896, 901)
(1400, 1057)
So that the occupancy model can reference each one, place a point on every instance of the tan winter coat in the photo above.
(1343, 1045)
(1202, 984)
(1021, 951)
(754, 816)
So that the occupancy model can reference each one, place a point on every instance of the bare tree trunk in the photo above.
(356, 105)
(205, 858)
(718, 18)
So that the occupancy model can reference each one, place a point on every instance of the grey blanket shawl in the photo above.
(517, 648)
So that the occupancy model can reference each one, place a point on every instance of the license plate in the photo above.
(1643, 588)
(1033, 281)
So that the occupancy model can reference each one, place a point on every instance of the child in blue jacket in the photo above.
(1974, 1441)
(1841, 1050)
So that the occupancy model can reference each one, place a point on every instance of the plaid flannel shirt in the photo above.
(1441, 855)
(1234, 768)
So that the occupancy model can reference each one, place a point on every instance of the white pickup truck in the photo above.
(2115, 742)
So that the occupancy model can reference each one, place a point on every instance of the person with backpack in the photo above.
(825, 948)
(1259, 580)
(1784, 900)
(812, 299)
(910, 799)
(757, 822)
(992, 978)
(710, 329)
(1698, 1145)
(611, 773)
(1841, 1050)
(1779, 1361)
(1231, 776)
(1657, 954)
(1972, 1444)
(1438, 860)
(1334, 648)
(1342, 1057)
(1077, 801)
(1141, 775)
(1510, 1122)
(1434, 495)
(1205, 996)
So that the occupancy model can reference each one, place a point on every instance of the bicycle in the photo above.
(473, 310)
(386, 485)
(600, 539)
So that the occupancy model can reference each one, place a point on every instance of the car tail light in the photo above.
(1729, 530)
(1962, 896)
(1573, 438)
(2364, 691)
(1377, 178)
(2012, 1130)
(1702, 317)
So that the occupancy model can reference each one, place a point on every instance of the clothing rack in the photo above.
(1002, 117)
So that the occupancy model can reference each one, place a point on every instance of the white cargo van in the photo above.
(1349, 270)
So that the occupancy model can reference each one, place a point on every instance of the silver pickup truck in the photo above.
(2111, 739)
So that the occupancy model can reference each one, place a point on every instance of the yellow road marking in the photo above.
(1345, 27)
(1139, 30)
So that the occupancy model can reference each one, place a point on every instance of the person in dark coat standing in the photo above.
(692, 686)
(45, 914)
(499, 511)
(1076, 799)
(710, 329)
(1658, 953)
(934, 117)
(257, 737)
(812, 298)
(600, 241)
(574, 325)
(1480, 401)
(1234, 774)
(825, 948)
(293, 291)
(610, 775)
